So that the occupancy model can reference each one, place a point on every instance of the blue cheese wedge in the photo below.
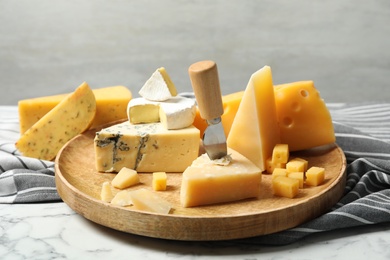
(145, 148)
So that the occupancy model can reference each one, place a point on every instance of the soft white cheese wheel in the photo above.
(177, 112)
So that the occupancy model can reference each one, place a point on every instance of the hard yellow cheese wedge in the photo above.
(304, 119)
(70, 117)
(111, 103)
(255, 131)
(206, 182)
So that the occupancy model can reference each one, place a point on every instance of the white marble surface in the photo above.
(54, 231)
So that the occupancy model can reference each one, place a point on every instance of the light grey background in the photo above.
(49, 47)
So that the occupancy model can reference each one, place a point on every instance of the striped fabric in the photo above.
(362, 131)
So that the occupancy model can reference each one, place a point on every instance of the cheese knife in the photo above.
(205, 84)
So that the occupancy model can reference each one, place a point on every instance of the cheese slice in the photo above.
(106, 193)
(159, 87)
(206, 182)
(145, 148)
(255, 131)
(146, 200)
(304, 120)
(122, 198)
(72, 116)
(174, 113)
(142, 111)
(111, 103)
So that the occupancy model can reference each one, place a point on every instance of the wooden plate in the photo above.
(79, 186)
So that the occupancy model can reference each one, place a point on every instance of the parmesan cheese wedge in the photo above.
(159, 87)
(72, 116)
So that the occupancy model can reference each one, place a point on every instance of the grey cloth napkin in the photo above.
(362, 131)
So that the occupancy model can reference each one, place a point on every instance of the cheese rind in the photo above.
(205, 182)
(159, 87)
(111, 103)
(255, 131)
(72, 116)
(145, 148)
(178, 112)
(304, 120)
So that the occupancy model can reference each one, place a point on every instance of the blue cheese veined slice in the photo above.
(175, 113)
(159, 87)
(145, 148)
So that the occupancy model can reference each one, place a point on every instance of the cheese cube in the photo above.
(280, 153)
(106, 193)
(279, 172)
(255, 130)
(159, 87)
(122, 198)
(111, 103)
(296, 166)
(315, 176)
(145, 148)
(159, 181)
(299, 176)
(146, 200)
(270, 166)
(206, 182)
(285, 187)
(72, 116)
(305, 162)
(125, 178)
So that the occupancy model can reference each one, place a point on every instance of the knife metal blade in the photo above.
(205, 84)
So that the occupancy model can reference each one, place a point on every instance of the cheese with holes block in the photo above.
(111, 103)
(72, 116)
(255, 131)
(209, 182)
(304, 120)
(159, 87)
(145, 148)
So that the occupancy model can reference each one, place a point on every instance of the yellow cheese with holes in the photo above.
(106, 193)
(111, 103)
(285, 187)
(72, 116)
(315, 176)
(147, 200)
(280, 153)
(159, 181)
(270, 165)
(207, 182)
(159, 87)
(304, 119)
(125, 178)
(255, 131)
(145, 148)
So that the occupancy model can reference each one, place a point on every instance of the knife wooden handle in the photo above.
(205, 84)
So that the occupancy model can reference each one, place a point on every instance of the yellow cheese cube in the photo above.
(146, 200)
(106, 193)
(145, 148)
(72, 116)
(295, 166)
(159, 181)
(305, 162)
(279, 172)
(122, 198)
(111, 103)
(285, 187)
(205, 182)
(125, 178)
(280, 153)
(270, 166)
(315, 176)
(299, 176)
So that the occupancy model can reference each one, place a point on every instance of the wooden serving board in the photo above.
(79, 184)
